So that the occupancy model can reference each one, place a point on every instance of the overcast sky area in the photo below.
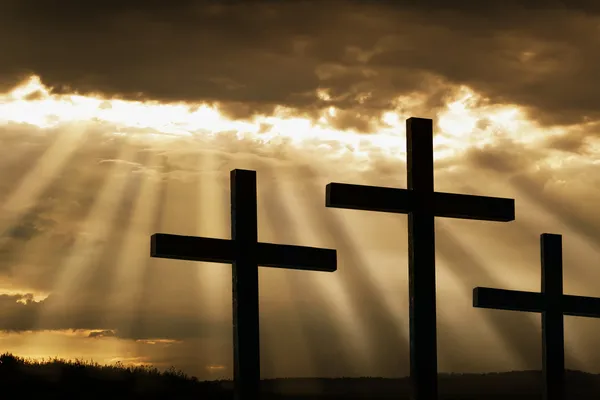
(312, 92)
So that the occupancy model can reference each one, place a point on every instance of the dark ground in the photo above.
(62, 380)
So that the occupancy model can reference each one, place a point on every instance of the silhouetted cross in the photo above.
(421, 204)
(553, 305)
(245, 253)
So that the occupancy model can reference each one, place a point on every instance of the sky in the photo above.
(123, 119)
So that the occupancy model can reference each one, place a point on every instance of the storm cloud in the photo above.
(250, 57)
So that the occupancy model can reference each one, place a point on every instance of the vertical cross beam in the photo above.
(421, 260)
(245, 254)
(244, 235)
(422, 205)
(553, 348)
(553, 305)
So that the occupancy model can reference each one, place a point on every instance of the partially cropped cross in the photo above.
(552, 304)
(422, 204)
(245, 254)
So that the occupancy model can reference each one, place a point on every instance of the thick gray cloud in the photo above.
(252, 56)
(104, 333)
(22, 313)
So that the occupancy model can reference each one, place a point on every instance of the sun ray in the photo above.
(213, 221)
(383, 265)
(283, 329)
(383, 327)
(175, 288)
(135, 327)
(459, 277)
(40, 177)
(477, 338)
(213, 293)
(329, 285)
(171, 279)
(131, 260)
(32, 261)
(91, 238)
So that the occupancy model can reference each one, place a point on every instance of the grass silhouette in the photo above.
(57, 378)
(61, 379)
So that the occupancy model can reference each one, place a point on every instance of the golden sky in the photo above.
(119, 121)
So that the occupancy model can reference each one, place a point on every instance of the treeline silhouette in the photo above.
(60, 379)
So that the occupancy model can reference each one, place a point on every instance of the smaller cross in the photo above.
(552, 304)
(245, 254)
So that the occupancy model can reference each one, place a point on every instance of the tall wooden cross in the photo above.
(245, 254)
(552, 304)
(421, 204)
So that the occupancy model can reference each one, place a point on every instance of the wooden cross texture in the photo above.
(421, 204)
(552, 304)
(245, 254)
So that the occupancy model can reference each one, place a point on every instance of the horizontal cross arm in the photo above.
(402, 201)
(297, 257)
(481, 208)
(191, 248)
(513, 300)
(368, 198)
(580, 306)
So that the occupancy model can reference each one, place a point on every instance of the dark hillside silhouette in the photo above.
(58, 379)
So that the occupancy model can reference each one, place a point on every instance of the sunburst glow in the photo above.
(466, 122)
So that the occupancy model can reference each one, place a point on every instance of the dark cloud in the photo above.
(575, 140)
(22, 313)
(101, 334)
(508, 158)
(32, 225)
(19, 312)
(574, 205)
(251, 56)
